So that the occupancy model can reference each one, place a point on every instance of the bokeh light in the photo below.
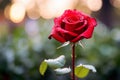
(54, 8)
(33, 12)
(17, 12)
(7, 11)
(82, 6)
(48, 9)
(115, 3)
(94, 5)
(23, 2)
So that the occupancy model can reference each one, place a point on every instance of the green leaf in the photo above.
(43, 67)
(82, 71)
(56, 63)
(61, 71)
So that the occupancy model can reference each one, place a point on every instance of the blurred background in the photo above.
(26, 24)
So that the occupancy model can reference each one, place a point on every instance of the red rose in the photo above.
(72, 26)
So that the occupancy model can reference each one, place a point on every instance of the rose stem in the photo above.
(73, 61)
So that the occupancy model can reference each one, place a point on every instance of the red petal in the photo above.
(62, 31)
(56, 36)
(88, 33)
(79, 28)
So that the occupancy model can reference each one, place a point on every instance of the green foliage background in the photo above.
(21, 55)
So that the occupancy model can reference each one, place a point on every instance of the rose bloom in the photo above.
(72, 26)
